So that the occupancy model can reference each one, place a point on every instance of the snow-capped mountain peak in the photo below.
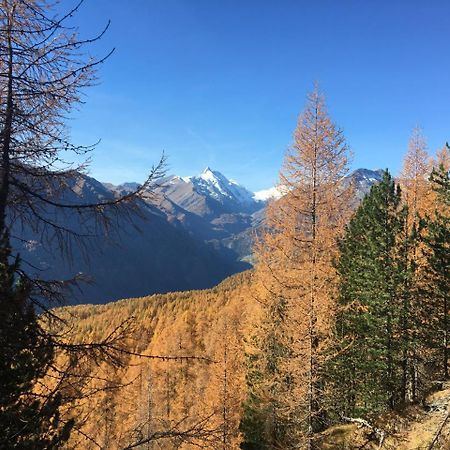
(216, 180)
(220, 188)
(207, 174)
(364, 179)
(373, 176)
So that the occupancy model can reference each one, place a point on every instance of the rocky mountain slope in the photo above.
(147, 254)
(223, 213)
(194, 233)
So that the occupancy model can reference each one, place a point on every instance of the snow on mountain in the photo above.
(192, 192)
(367, 175)
(213, 183)
(209, 194)
(363, 179)
(267, 194)
(123, 188)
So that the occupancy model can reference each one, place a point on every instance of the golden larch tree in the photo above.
(297, 278)
(418, 197)
(417, 192)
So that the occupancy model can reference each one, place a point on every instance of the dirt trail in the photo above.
(432, 430)
(417, 427)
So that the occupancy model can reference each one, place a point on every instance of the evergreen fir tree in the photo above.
(29, 419)
(437, 292)
(372, 272)
(411, 309)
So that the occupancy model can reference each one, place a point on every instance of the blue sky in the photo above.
(221, 83)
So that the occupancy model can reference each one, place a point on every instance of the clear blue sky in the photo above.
(221, 83)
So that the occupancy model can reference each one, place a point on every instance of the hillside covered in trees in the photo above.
(340, 329)
(337, 338)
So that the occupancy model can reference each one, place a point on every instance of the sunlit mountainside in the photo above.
(192, 234)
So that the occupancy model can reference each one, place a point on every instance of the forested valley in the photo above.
(337, 338)
(343, 321)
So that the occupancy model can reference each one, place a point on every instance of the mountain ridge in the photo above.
(193, 232)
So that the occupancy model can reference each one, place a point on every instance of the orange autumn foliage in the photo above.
(174, 403)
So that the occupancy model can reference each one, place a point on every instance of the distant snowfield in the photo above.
(267, 194)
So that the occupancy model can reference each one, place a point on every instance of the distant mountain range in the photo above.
(196, 231)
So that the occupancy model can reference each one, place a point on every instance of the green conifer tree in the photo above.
(29, 418)
(372, 273)
(437, 292)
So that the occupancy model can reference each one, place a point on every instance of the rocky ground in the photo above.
(418, 427)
